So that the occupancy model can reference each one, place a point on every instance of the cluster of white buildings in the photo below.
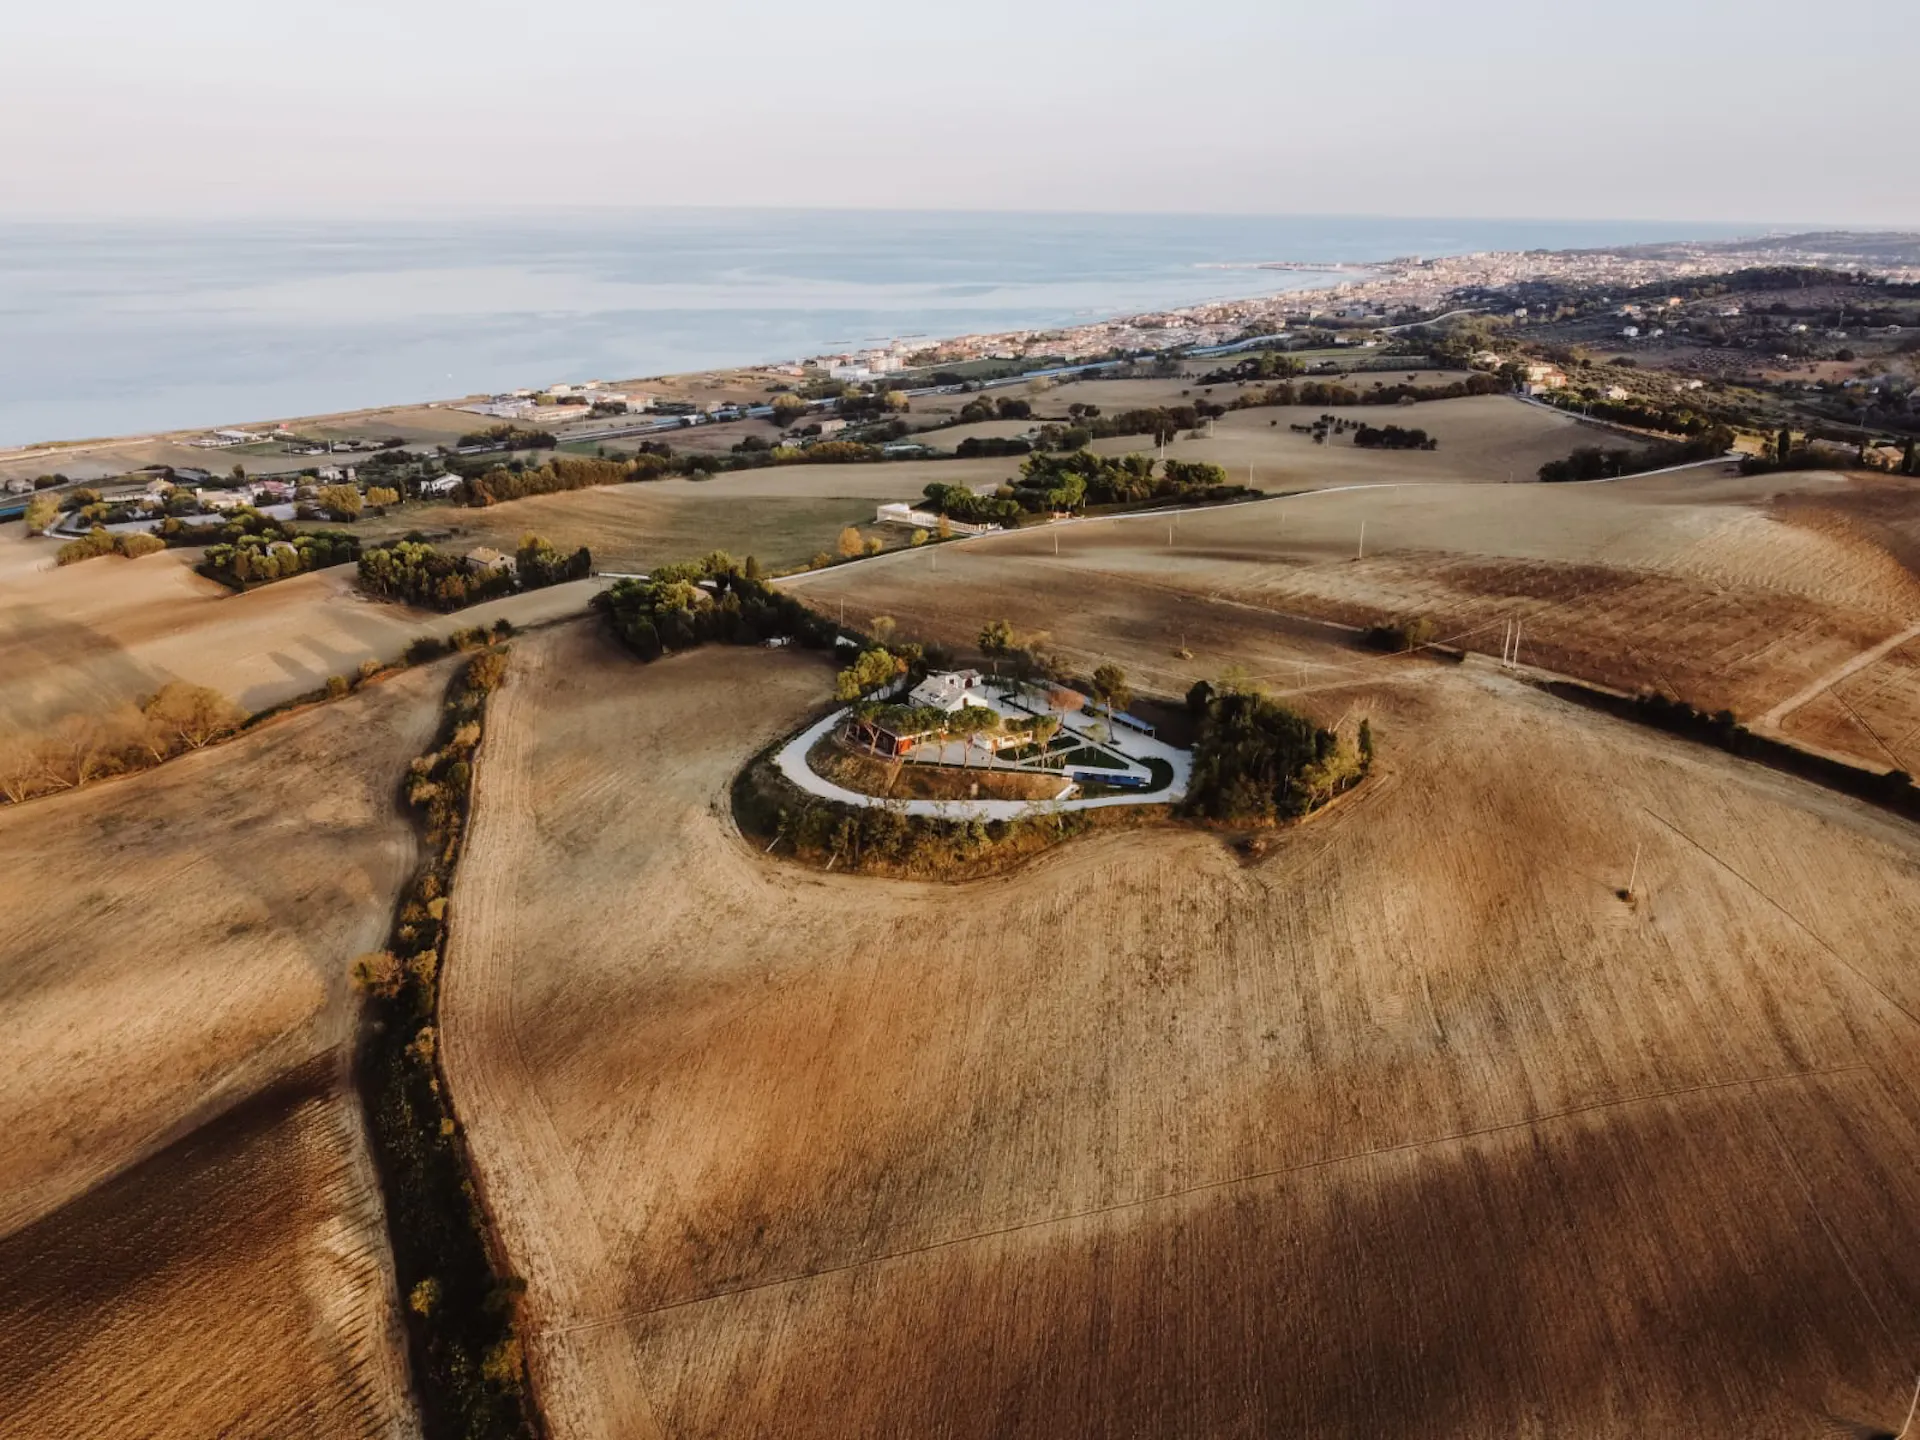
(863, 365)
(557, 403)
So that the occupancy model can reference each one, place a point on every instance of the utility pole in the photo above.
(1633, 876)
(1360, 550)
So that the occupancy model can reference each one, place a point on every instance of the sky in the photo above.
(1712, 110)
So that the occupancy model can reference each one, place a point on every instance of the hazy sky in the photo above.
(1744, 110)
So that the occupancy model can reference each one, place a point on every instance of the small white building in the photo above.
(949, 690)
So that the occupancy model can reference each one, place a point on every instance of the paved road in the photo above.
(792, 761)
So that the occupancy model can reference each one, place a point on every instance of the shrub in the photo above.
(1398, 635)
(42, 510)
(486, 670)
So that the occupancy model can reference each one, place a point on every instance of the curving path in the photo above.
(792, 762)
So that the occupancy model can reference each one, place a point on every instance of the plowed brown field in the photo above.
(1728, 593)
(190, 1237)
(1411, 1127)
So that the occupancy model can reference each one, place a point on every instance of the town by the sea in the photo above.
(114, 328)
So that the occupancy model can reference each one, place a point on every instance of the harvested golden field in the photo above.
(1413, 1126)
(1711, 588)
(190, 1240)
(92, 637)
(635, 527)
(1482, 438)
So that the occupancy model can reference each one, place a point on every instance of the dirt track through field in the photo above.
(1412, 1126)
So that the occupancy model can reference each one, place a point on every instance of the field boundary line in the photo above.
(1807, 929)
(1748, 1082)
(1833, 1241)
(1775, 717)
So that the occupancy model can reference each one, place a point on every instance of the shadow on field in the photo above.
(36, 694)
(183, 1295)
(1577, 1278)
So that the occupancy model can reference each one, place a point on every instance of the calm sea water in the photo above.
(115, 328)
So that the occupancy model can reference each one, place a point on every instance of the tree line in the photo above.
(173, 720)
(99, 541)
(416, 573)
(1328, 392)
(1055, 483)
(1590, 462)
(467, 1356)
(1162, 422)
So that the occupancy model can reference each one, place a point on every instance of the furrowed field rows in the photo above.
(1414, 1123)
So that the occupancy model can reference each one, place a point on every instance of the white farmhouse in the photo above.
(948, 690)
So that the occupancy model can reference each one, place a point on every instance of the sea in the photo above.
(111, 328)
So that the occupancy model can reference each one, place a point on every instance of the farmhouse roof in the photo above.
(948, 690)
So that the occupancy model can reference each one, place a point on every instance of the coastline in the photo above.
(1378, 294)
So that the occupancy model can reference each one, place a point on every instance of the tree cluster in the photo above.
(1393, 437)
(1073, 481)
(884, 839)
(415, 573)
(678, 607)
(508, 437)
(959, 502)
(562, 472)
(975, 411)
(1255, 761)
(992, 445)
(538, 564)
(258, 556)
